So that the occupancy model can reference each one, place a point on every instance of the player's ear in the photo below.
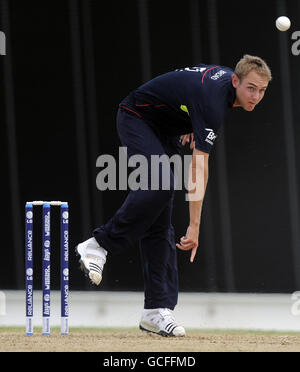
(235, 80)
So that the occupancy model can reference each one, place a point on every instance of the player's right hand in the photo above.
(190, 241)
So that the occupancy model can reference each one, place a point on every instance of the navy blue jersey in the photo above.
(187, 100)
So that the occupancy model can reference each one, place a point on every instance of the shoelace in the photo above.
(166, 317)
(97, 258)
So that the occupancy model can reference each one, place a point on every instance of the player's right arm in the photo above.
(198, 177)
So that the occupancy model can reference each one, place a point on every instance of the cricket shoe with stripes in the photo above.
(92, 259)
(162, 322)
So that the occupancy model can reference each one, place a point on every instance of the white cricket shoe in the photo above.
(92, 259)
(162, 322)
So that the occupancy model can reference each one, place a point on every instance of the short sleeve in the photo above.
(204, 135)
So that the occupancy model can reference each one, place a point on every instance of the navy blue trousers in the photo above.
(145, 216)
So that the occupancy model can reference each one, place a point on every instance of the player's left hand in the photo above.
(188, 138)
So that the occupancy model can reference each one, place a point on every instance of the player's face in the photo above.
(250, 90)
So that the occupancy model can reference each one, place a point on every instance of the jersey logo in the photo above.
(218, 75)
(185, 109)
(210, 137)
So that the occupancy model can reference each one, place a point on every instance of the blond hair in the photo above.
(252, 63)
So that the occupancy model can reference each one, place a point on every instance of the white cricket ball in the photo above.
(283, 23)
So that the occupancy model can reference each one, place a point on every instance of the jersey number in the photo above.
(193, 69)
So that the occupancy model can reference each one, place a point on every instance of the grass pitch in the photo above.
(128, 340)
